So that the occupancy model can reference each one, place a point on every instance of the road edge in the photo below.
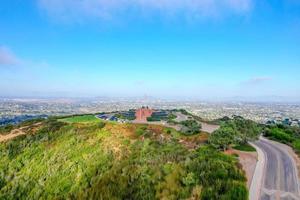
(290, 151)
(257, 180)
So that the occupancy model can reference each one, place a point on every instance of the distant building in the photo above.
(294, 123)
(102, 116)
(143, 113)
(113, 118)
(286, 122)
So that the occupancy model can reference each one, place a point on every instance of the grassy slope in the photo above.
(84, 161)
(80, 119)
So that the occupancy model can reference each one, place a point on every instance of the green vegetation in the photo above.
(237, 131)
(167, 171)
(190, 127)
(279, 134)
(101, 124)
(6, 129)
(244, 147)
(154, 119)
(193, 117)
(141, 130)
(80, 119)
(66, 160)
(184, 112)
(159, 116)
(174, 133)
(190, 117)
(171, 116)
(219, 121)
(296, 145)
(130, 115)
(31, 122)
(284, 134)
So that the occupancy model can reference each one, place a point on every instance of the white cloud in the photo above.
(110, 9)
(7, 57)
(257, 80)
(9, 60)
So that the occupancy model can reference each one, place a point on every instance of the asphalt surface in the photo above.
(180, 117)
(280, 180)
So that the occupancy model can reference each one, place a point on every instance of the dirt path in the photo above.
(16, 132)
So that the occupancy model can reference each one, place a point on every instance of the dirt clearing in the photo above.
(248, 161)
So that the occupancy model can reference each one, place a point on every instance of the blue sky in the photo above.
(206, 49)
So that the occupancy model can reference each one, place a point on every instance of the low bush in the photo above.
(141, 130)
(279, 135)
(101, 125)
(296, 145)
(244, 147)
(190, 127)
(284, 134)
(6, 129)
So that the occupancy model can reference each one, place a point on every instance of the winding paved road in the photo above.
(280, 180)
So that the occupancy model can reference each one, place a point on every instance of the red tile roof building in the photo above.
(143, 113)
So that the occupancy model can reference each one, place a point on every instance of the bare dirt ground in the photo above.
(17, 132)
(11, 135)
(161, 123)
(248, 161)
(180, 117)
(209, 128)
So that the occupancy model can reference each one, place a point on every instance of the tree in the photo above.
(223, 138)
(190, 127)
(235, 131)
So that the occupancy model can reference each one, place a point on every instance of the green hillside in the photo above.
(93, 160)
(80, 119)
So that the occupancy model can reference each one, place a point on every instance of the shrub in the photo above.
(153, 119)
(296, 145)
(223, 138)
(101, 125)
(190, 127)
(279, 135)
(237, 131)
(244, 147)
(141, 130)
(6, 129)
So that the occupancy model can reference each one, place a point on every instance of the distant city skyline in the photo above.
(179, 49)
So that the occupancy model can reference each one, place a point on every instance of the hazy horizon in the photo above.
(145, 98)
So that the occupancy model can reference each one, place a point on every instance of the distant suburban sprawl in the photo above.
(14, 110)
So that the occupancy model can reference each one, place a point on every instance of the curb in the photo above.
(257, 179)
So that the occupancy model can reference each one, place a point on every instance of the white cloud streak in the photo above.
(8, 60)
(7, 57)
(257, 80)
(110, 9)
